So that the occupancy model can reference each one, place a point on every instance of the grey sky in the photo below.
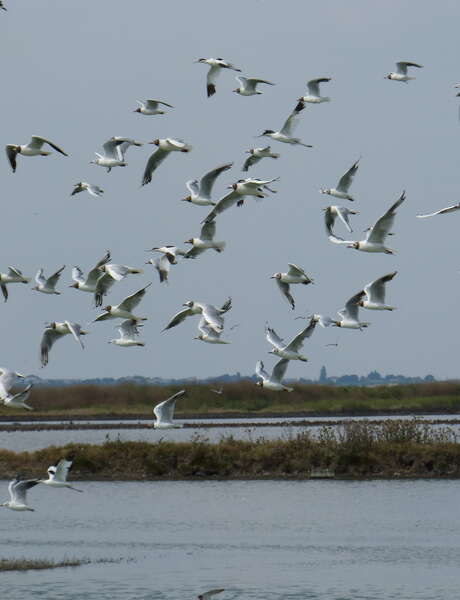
(72, 72)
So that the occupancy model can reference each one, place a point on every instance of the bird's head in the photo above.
(275, 276)
(156, 142)
(190, 241)
(107, 308)
(137, 110)
(187, 199)
(388, 76)
(236, 90)
(354, 245)
(189, 303)
(325, 191)
(266, 132)
(74, 285)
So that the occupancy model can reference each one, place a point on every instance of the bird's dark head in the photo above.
(74, 285)
(107, 308)
(190, 241)
(267, 132)
(275, 276)
(156, 142)
(187, 199)
(137, 110)
(354, 245)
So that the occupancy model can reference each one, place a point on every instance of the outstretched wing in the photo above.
(443, 211)
(49, 336)
(273, 338)
(55, 277)
(208, 180)
(284, 289)
(279, 370)
(352, 306)
(375, 290)
(75, 330)
(299, 339)
(224, 203)
(132, 301)
(382, 226)
(346, 180)
(178, 318)
(260, 371)
(153, 163)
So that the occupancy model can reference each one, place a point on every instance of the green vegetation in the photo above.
(240, 398)
(24, 564)
(394, 448)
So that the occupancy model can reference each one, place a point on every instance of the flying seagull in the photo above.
(401, 71)
(248, 85)
(285, 133)
(125, 308)
(208, 333)
(443, 211)
(375, 292)
(341, 191)
(256, 154)
(212, 314)
(7, 381)
(18, 491)
(164, 412)
(55, 331)
(14, 275)
(165, 147)
(151, 107)
(33, 148)
(204, 242)
(57, 474)
(273, 381)
(200, 191)
(129, 332)
(332, 212)
(47, 285)
(83, 186)
(89, 283)
(294, 275)
(215, 67)
(313, 95)
(291, 351)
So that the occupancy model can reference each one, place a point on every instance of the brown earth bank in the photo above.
(393, 449)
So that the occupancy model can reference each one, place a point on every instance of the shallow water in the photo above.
(258, 539)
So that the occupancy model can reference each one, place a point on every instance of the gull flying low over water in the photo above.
(285, 133)
(215, 67)
(443, 211)
(18, 491)
(341, 191)
(55, 331)
(290, 351)
(313, 95)
(256, 154)
(375, 292)
(204, 242)
(83, 186)
(294, 275)
(165, 147)
(14, 275)
(47, 285)
(332, 212)
(200, 191)
(89, 284)
(208, 333)
(212, 314)
(129, 332)
(164, 412)
(273, 381)
(123, 310)
(401, 71)
(7, 381)
(57, 474)
(376, 234)
(248, 85)
(151, 107)
(33, 148)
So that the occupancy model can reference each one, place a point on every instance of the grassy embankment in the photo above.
(396, 448)
(240, 398)
(26, 564)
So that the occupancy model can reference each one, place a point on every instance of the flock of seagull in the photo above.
(104, 274)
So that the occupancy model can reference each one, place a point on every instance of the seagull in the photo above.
(18, 492)
(313, 96)
(111, 157)
(82, 186)
(215, 64)
(47, 286)
(443, 211)
(256, 154)
(290, 351)
(89, 284)
(171, 252)
(273, 381)
(349, 314)
(208, 333)
(57, 474)
(248, 85)
(14, 275)
(219, 392)
(294, 275)
(375, 292)
(164, 412)
(204, 242)
(112, 273)
(207, 595)
(341, 191)
(162, 265)
(285, 133)
(55, 331)
(128, 331)
(401, 71)
(165, 146)
(332, 212)
(376, 234)
(123, 310)
(200, 191)
(33, 148)
(151, 107)
(7, 381)
(212, 314)
(122, 145)
(19, 400)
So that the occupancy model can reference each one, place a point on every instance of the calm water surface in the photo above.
(264, 540)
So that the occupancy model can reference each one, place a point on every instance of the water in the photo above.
(334, 540)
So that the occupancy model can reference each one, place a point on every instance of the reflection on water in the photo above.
(259, 539)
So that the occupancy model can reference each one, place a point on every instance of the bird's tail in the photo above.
(219, 246)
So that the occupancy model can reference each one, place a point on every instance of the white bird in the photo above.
(248, 85)
(122, 145)
(332, 212)
(294, 275)
(200, 191)
(128, 331)
(124, 309)
(92, 189)
(55, 331)
(111, 157)
(285, 133)
(273, 381)
(208, 594)
(313, 96)
(341, 190)
(162, 265)
(212, 314)
(375, 292)
(204, 242)
(33, 148)
(47, 285)
(219, 392)
(111, 274)
(290, 351)
(171, 252)
(89, 283)
(19, 400)
(215, 67)
(7, 381)
(256, 154)
(350, 314)
(14, 275)
(151, 107)
(208, 333)
(57, 474)
(165, 147)
(443, 211)
(18, 491)
(376, 234)
(401, 71)
(164, 412)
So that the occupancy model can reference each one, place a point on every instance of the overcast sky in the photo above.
(72, 72)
